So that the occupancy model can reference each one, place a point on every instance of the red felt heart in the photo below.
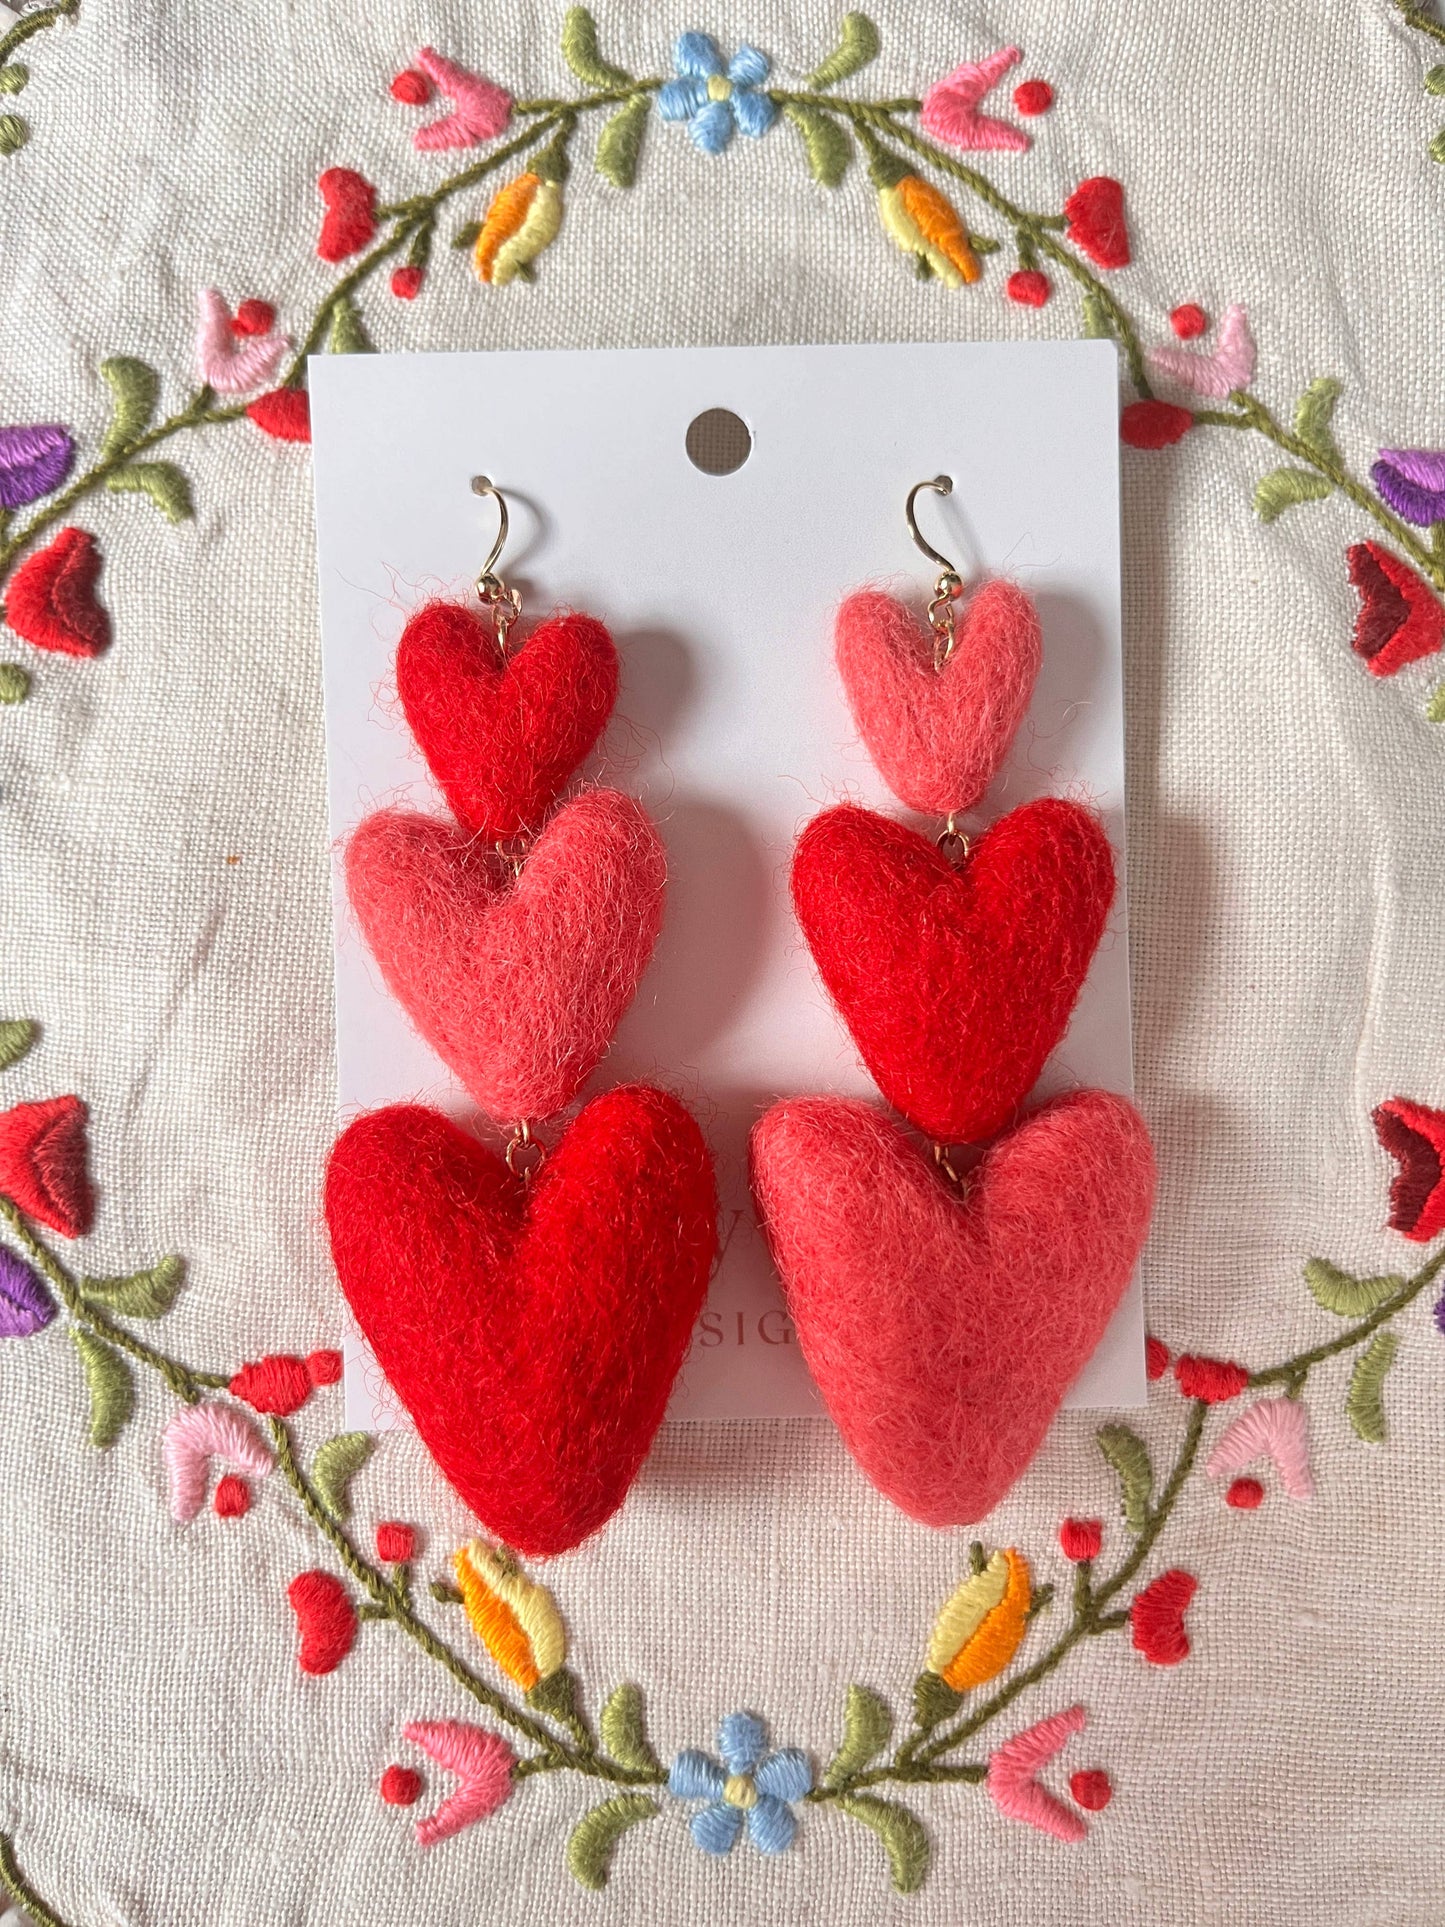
(1095, 211)
(350, 218)
(284, 414)
(532, 1330)
(1399, 618)
(956, 983)
(944, 1323)
(51, 599)
(516, 983)
(502, 734)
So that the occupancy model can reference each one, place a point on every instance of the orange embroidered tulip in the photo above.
(923, 222)
(516, 1619)
(980, 1629)
(523, 219)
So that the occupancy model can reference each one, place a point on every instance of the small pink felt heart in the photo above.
(517, 983)
(939, 735)
(944, 1324)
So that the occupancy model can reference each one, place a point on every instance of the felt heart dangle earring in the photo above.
(531, 1310)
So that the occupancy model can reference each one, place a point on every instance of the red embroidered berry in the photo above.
(395, 1544)
(1092, 1789)
(400, 1787)
(406, 283)
(1028, 287)
(411, 87)
(1157, 1617)
(323, 1368)
(1154, 424)
(279, 1384)
(1034, 97)
(1215, 1380)
(253, 318)
(233, 1497)
(1156, 1358)
(1246, 1494)
(1188, 321)
(1081, 1539)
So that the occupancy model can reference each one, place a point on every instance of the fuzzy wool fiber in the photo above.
(944, 1325)
(532, 1330)
(955, 982)
(939, 735)
(502, 735)
(518, 982)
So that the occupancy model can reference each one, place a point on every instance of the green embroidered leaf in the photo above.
(581, 53)
(1313, 413)
(17, 1034)
(594, 1839)
(983, 243)
(134, 386)
(1437, 542)
(867, 1723)
(347, 335)
(163, 482)
(624, 1732)
(14, 683)
(448, 1594)
(1437, 145)
(1097, 324)
(14, 132)
(144, 1294)
(112, 1393)
(337, 1463)
(1129, 1456)
(828, 143)
(1345, 1296)
(14, 77)
(555, 1695)
(1039, 1601)
(620, 142)
(1364, 1403)
(1282, 488)
(858, 43)
(934, 1700)
(466, 235)
(901, 1833)
(1434, 708)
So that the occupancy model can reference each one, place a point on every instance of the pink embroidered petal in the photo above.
(950, 107)
(232, 364)
(480, 108)
(1230, 366)
(481, 1761)
(1011, 1784)
(1276, 1428)
(196, 1435)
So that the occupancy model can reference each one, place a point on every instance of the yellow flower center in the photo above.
(719, 87)
(740, 1791)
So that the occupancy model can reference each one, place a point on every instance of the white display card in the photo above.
(731, 726)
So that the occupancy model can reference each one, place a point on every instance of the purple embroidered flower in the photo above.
(715, 99)
(32, 462)
(1412, 481)
(25, 1305)
(756, 1786)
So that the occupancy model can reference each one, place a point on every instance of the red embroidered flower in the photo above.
(1157, 1617)
(350, 219)
(1095, 211)
(1081, 1539)
(395, 1543)
(1400, 619)
(51, 599)
(284, 414)
(1154, 424)
(1028, 287)
(406, 282)
(279, 1384)
(1214, 1380)
(1415, 1135)
(42, 1163)
(325, 1620)
(1188, 321)
(1156, 1357)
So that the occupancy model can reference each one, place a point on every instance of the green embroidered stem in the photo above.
(1414, 15)
(14, 1883)
(32, 23)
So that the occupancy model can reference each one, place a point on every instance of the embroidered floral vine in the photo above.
(935, 206)
(15, 75)
(989, 1646)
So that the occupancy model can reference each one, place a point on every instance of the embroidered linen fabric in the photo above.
(162, 1759)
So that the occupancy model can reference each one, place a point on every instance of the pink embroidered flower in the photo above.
(950, 110)
(480, 108)
(1217, 375)
(193, 1437)
(1277, 1429)
(233, 364)
(1012, 1782)
(482, 1761)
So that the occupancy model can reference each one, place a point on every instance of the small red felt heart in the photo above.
(350, 218)
(944, 1324)
(956, 983)
(502, 735)
(51, 599)
(532, 1330)
(284, 414)
(516, 983)
(1400, 619)
(1095, 211)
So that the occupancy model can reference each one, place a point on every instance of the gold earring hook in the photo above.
(504, 603)
(949, 583)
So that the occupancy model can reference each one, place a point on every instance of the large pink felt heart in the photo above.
(938, 735)
(516, 983)
(944, 1325)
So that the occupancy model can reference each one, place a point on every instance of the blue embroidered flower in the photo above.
(714, 99)
(757, 1785)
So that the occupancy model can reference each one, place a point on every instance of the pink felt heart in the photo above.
(944, 1324)
(516, 982)
(938, 735)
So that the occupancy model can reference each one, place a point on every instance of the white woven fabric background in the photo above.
(162, 1761)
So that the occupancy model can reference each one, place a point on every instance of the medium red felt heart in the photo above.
(350, 218)
(1095, 212)
(516, 982)
(51, 599)
(501, 735)
(1399, 619)
(532, 1330)
(284, 414)
(956, 983)
(943, 1324)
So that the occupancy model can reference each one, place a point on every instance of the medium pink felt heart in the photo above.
(944, 1325)
(938, 735)
(516, 982)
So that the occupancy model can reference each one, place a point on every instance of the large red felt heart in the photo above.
(516, 982)
(51, 601)
(532, 1330)
(503, 734)
(956, 983)
(944, 1325)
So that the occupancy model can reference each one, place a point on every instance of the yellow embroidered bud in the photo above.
(516, 1619)
(979, 1630)
(523, 219)
(923, 222)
